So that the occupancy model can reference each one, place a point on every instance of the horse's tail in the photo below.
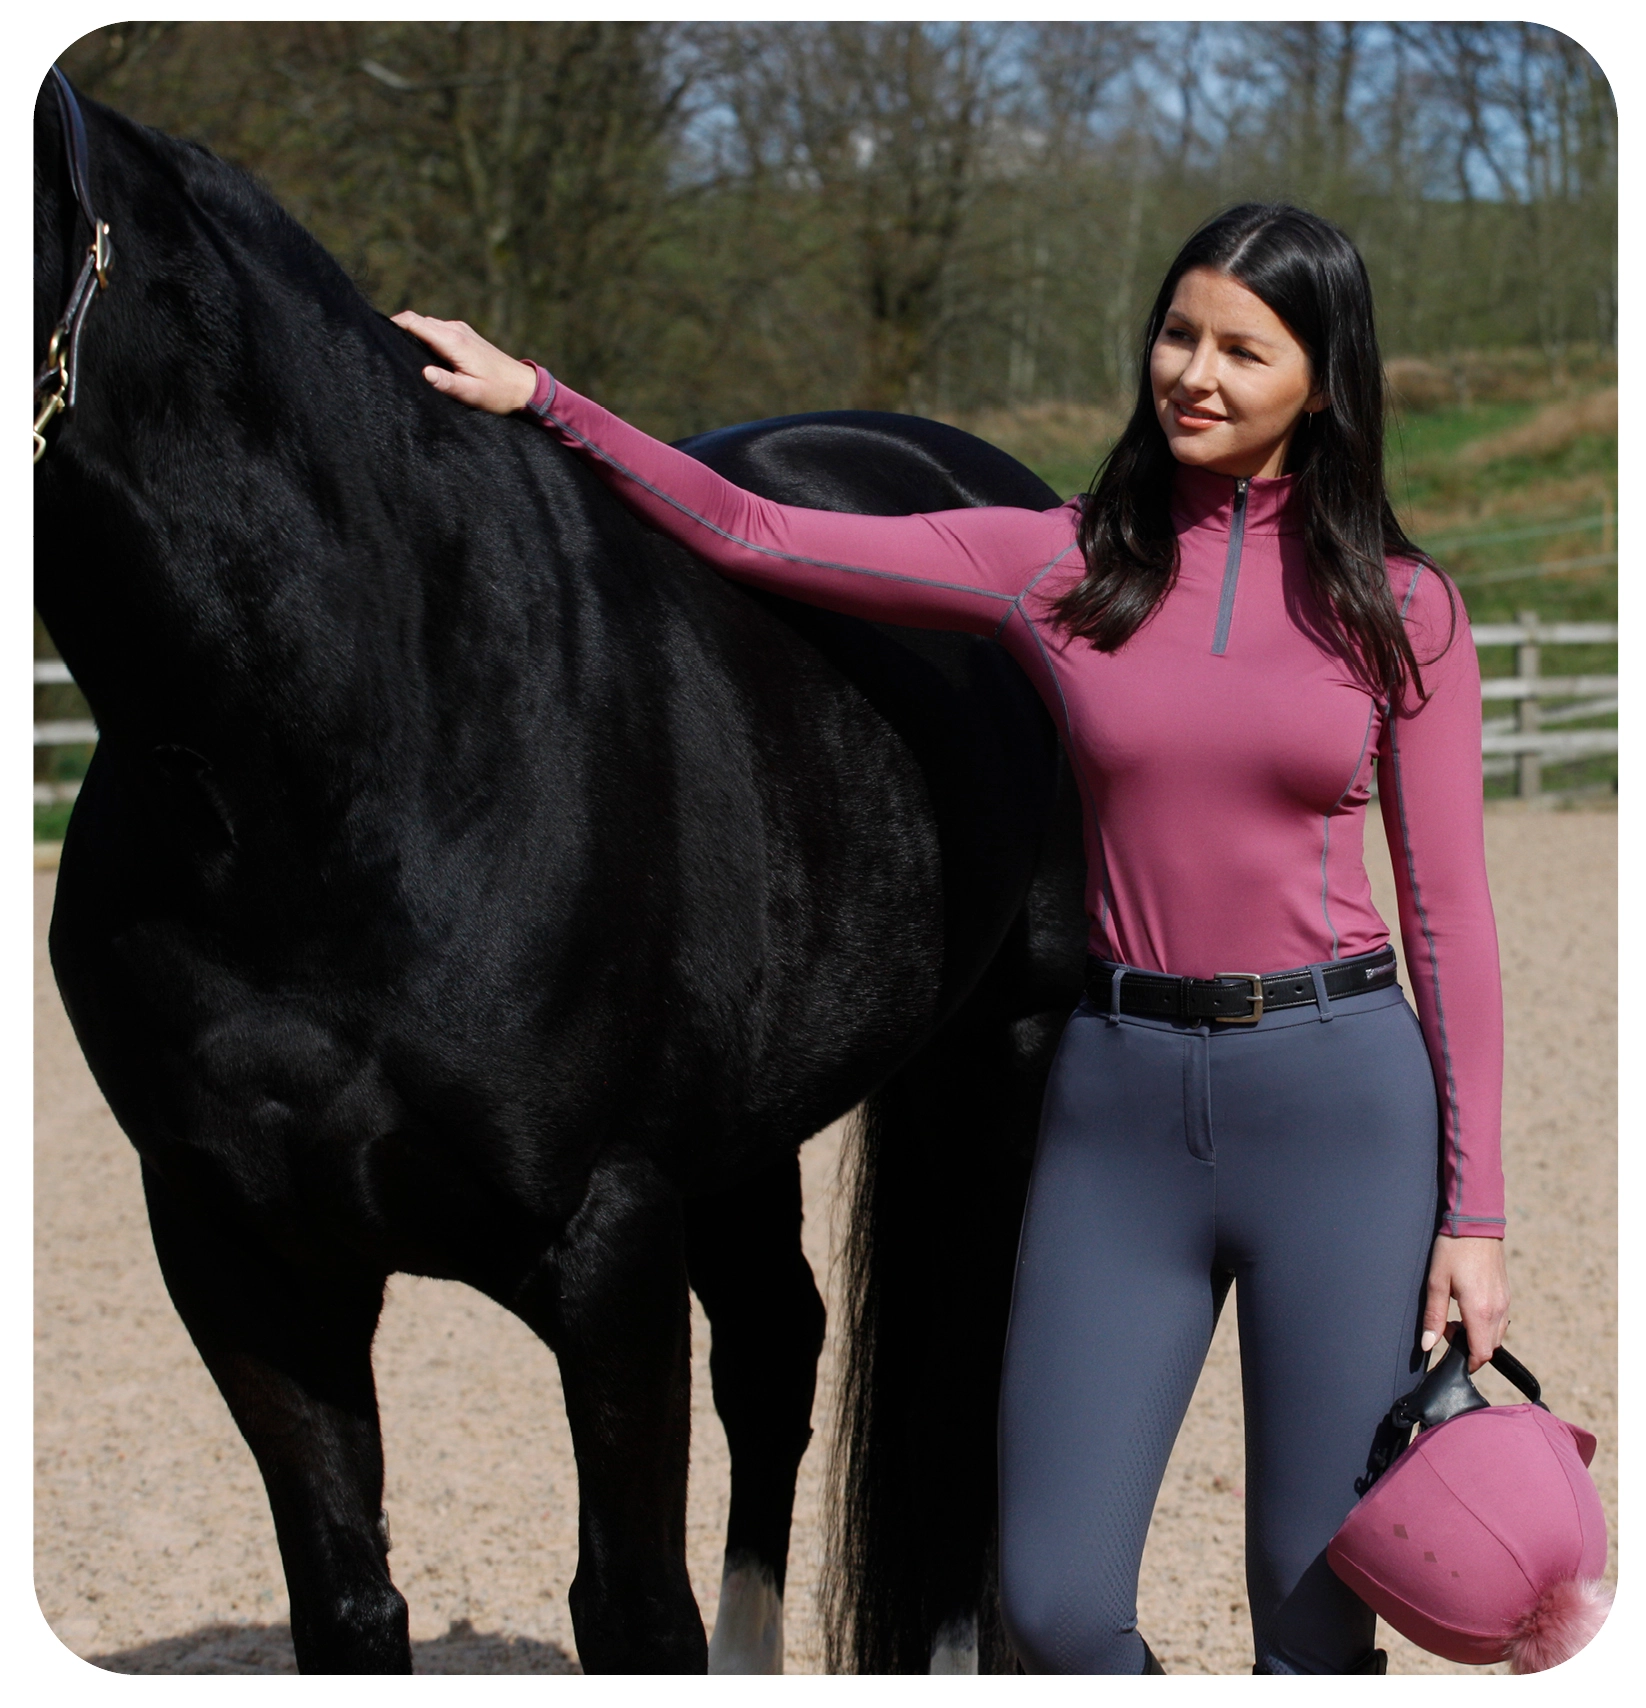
(940, 1165)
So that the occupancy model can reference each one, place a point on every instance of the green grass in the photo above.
(1068, 475)
(1419, 449)
(50, 823)
(1557, 508)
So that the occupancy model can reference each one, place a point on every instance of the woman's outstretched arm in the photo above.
(960, 569)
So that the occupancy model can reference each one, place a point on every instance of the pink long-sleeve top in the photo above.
(1224, 754)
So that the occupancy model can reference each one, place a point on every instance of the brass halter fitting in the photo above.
(62, 352)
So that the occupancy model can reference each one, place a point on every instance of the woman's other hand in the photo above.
(482, 377)
(1471, 1271)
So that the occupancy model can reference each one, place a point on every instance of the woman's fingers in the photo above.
(1436, 1301)
(483, 376)
(441, 336)
(1485, 1331)
(1472, 1272)
(464, 387)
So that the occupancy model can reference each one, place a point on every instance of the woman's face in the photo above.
(1230, 378)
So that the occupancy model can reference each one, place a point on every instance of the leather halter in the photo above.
(59, 378)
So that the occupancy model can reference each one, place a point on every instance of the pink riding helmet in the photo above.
(1485, 1540)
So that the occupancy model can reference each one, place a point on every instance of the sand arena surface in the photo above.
(154, 1548)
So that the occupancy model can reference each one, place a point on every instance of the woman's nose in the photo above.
(1201, 373)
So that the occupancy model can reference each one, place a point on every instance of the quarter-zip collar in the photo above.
(1201, 499)
(1236, 508)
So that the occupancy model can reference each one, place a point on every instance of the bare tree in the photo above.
(887, 125)
(708, 222)
(531, 177)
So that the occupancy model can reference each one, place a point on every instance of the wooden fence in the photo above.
(68, 732)
(1522, 742)
(1519, 744)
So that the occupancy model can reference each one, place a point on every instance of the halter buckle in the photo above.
(48, 409)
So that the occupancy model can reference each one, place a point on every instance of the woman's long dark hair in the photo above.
(1312, 276)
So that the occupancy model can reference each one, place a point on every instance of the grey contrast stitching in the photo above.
(1429, 937)
(1411, 592)
(768, 551)
(1326, 834)
(541, 410)
(1325, 849)
(1017, 603)
(1051, 670)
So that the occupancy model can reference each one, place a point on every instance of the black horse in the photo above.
(470, 882)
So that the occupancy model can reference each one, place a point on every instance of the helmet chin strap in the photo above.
(1444, 1393)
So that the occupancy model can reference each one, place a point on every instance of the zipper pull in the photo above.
(1240, 492)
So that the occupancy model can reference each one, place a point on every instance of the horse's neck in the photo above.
(186, 608)
(241, 537)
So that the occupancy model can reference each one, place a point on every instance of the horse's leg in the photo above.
(291, 1352)
(611, 1301)
(746, 1265)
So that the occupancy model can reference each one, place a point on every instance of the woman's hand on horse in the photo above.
(481, 375)
(1471, 1271)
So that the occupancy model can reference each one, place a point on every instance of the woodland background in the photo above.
(702, 223)
(706, 222)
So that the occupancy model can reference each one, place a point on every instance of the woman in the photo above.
(1229, 628)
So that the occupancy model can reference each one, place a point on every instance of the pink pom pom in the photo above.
(1566, 1618)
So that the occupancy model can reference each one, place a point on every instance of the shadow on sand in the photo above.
(267, 1649)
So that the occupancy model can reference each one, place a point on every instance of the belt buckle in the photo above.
(1255, 980)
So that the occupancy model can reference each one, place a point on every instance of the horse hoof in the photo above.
(748, 1629)
(954, 1648)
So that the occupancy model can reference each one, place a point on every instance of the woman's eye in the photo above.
(1244, 355)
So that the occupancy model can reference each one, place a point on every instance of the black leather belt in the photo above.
(1240, 998)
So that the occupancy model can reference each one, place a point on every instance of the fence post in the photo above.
(1527, 655)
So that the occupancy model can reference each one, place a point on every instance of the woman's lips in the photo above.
(1194, 419)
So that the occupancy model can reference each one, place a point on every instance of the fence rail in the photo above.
(1518, 745)
(1530, 629)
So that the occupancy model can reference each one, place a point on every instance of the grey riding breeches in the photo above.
(1299, 1156)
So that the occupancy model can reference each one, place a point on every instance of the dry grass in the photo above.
(1418, 384)
(1538, 501)
(1552, 429)
(1038, 433)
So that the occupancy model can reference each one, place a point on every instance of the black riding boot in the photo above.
(1377, 1661)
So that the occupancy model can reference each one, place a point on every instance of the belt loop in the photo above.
(1322, 1001)
(1183, 999)
(1114, 995)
